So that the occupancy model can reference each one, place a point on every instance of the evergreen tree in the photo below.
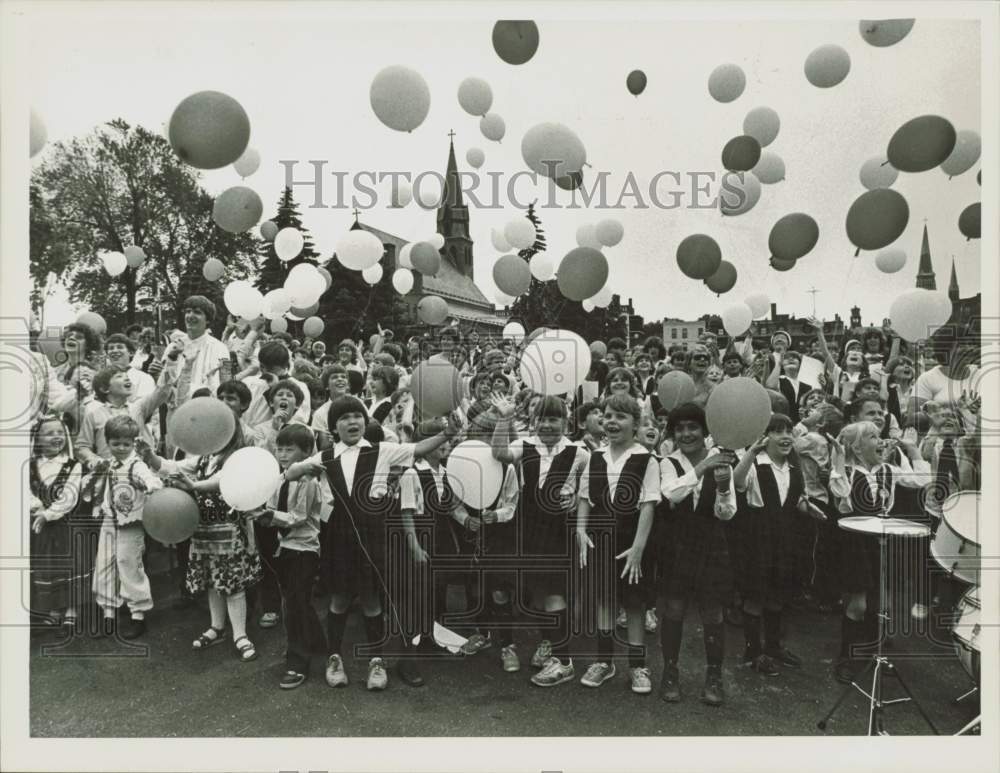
(273, 271)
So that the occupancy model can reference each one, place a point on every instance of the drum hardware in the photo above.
(955, 546)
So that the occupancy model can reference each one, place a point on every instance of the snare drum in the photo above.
(955, 547)
(966, 632)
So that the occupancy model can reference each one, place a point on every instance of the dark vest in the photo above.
(785, 386)
(435, 508)
(706, 497)
(862, 502)
(545, 498)
(628, 492)
(48, 494)
(769, 488)
(359, 501)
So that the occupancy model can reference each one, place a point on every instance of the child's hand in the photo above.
(473, 524)
(266, 518)
(38, 524)
(180, 482)
(584, 543)
(419, 554)
(489, 516)
(502, 405)
(143, 449)
(633, 564)
(971, 400)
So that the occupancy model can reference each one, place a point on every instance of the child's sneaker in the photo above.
(542, 654)
(336, 676)
(477, 643)
(598, 674)
(641, 683)
(553, 673)
(268, 620)
(133, 629)
(508, 656)
(377, 676)
(651, 622)
(291, 680)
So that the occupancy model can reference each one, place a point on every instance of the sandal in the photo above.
(245, 650)
(204, 641)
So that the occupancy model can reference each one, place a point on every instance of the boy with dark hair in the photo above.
(274, 365)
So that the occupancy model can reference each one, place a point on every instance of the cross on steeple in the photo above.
(356, 213)
(451, 134)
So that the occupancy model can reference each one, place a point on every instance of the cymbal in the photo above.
(873, 524)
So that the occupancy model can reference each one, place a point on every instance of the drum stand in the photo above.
(879, 665)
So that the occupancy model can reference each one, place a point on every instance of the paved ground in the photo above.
(99, 687)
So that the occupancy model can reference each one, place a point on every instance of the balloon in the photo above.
(571, 181)
(636, 82)
(770, 169)
(134, 256)
(598, 350)
(436, 241)
(552, 150)
(586, 236)
(921, 144)
(249, 477)
(436, 387)
(514, 331)
(94, 321)
(969, 221)
(400, 98)
(402, 280)
(515, 41)
(890, 261)
(603, 298)
(779, 403)
(964, 156)
(492, 127)
(737, 412)
(827, 66)
(877, 218)
(326, 277)
(500, 244)
(503, 300)
(741, 154)
(884, 32)
(114, 263)
(582, 273)
(759, 304)
(475, 157)
(762, 123)
(288, 243)
(303, 312)
(736, 319)
(248, 163)
(313, 327)
(979, 178)
(739, 193)
(209, 130)
(782, 265)
(429, 192)
(723, 280)
(877, 172)
(698, 256)
(542, 267)
(237, 209)
(425, 258)
(675, 388)
(793, 236)
(917, 313)
(213, 269)
(200, 426)
(609, 232)
(170, 515)
(268, 230)
(37, 134)
(242, 299)
(512, 275)
(276, 303)
(401, 193)
(404, 256)
(726, 82)
(588, 305)
(373, 274)
(432, 309)
(359, 249)
(475, 96)
(304, 284)
(475, 476)
(555, 362)
(520, 232)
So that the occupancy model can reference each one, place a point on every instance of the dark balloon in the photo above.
(877, 218)
(968, 221)
(636, 82)
(792, 237)
(571, 181)
(515, 41)
(782, 265)
(921, 144)
(723, 280)
(741, 154)
(698, 256)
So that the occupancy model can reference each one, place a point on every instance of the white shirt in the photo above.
(142, 383)
(650, 479)
(676, 489)
(259, 411)
(911, 474)
(48, 468)
(546, 456)
(782, 476)
(202, 356)
(389, 455)
(411, 493)
(935, 386)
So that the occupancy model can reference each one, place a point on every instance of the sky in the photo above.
(303, 76)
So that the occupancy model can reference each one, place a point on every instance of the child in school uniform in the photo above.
(353, 551)
(618, 493)
(698, 484)
(382, 380)
(550, 467)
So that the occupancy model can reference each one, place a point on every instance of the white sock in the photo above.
(237, 605)
(217, 609)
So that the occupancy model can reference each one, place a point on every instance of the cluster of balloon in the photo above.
(554, 362)
(475, 96)
(737, 319)
(134, 256)
(213, 269)
(237, 209)
(921, 143)
(299, 313)
(276, 302)
(359, 249)
(791, 237)
(759, 304)
(737, 412)
(304, 285)
(313, 327)
(170, 516)
(94, 321)
(582, 272)
(402, 280)
(268, 230)
(876, 219)
(739, 193)
(248, 163)
(436, 387)
(492, 127)
(114, 263)
(675, 388)
(475, 157)
(199, 426)
(514, 331)
(432, 309)
(519, 233)
(827, 66)
(916, 314)
(770, 169)
(288, 243)
(373, 274)
(884, 32)
(877, 173)
(512, 275)
(553, 150)
(724, 278)
(890, 261)
(968, 221)
(400, 98)
(209, 130)
(475, 476)
(698, 256)
(515, 41)
(636, 82)
(741, 154)
(248, 478)
(965, 154)
(38, 135)
(425, 258)
(243, 300)
(726, 82)
(605, 233)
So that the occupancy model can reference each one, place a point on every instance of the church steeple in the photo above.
(953, 293)
(925, 274)
(453, 218)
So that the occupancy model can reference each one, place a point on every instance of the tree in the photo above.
(122, 186)
(273, 271)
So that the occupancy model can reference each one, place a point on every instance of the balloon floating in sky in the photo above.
(964, 156)
(726, 82)
(359, 249)
(699, 256)
(877, 218)
(782, 265)
(553, 150)
(400, 98)
(514, 331)
(741, 154)
(609, 232)
(770, 169)
(969, 221)
(739, 193)
(921, 143)
(475, 157)
(425, 258)
(115, 263)
(603, 298)
(917, 313)
(492, 127)
(135, 256)
(276, 303)
(793, 236)
(327, 279)
(636, 82)
(724, 279)
(884, 32)
(762, 123)
(288, 243)
(475, 96)
(213, 269)
(402, 280)
(586, 236)
(542, 267)
(500, 243)
(242, 299)
(37, 135)
(877, 172)
(736, 319)
(582, 273)
(512, 275)
(237, 209)
(890, 261)
(827, 66)
(759, 304)
(94, 321)
(248, 163)
(515, 41)
(436, 241)
(520, 233)
(209, 130)
(268, 230)
(571, 181)
(432, 309)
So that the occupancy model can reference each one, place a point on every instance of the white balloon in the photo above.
(475, 96)
(242, 299)
(400, 192)
(726, 82)
(514, 331)
(890, 261)
(115, 263)
(400, 98)
(555, 362)
(429, 191)
(556, 144)
(877, 172)
(603, 297)
(770, 168)
(916, 314)
(586, 236)
(288, 243)
(588, 305)
(248, 478)
(492, 127)
(762, 123)
(276, 303)
(402, 280)
(373, 274)
(736, 319)
(359, 249)
(437, 241)
(520, 233)
(759, 304)
(503, 300)
(543, 268)
(827, 66)
(500, 244)
(404, 256)
(248, 163)
(475, 476)
(740, 193)
(304, 285)
(475, 157)
(609, 232)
